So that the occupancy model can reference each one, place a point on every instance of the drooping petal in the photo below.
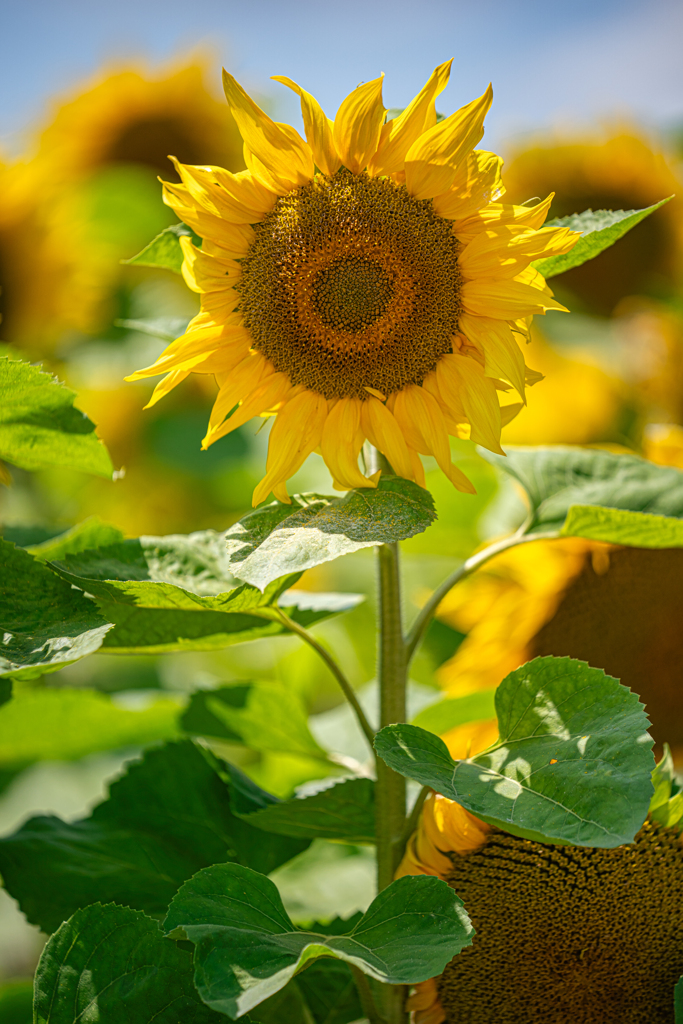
(341, 444)
(235, 239)
(166, 385)
(319, 134)
(296, 432)
(495, 340)
(358, 124)
(432, 161)
(273, 389)
(193, 347)
(464, 378)
(207, 186)
(241, 380)
(422, 422)
(382, 430)
(505, 300)
(400, 134)
(284, 154)
(477, 182)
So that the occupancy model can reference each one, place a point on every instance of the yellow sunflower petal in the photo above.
(192, 348)
(358, 124)
(166, 385)
(224, 194)
(477, 182)
(506, 251)
(432, 161)
(422, 422)
(283, 153)
(424, 1004)
(495, 340)
(341, 444)
(382, 430)
(496, 215)
(296, 432)
(273, 389)
(206, 273)
(463, 378)
(505, 300)
(235, 239)
(319, 134)
(399, 134)
(242, 379)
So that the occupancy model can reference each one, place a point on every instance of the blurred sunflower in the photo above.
(617, 608)
(624, 172)
(563, 933)
(364, 283)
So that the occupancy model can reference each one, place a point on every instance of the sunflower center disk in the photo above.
(568, 934)
(351, 283)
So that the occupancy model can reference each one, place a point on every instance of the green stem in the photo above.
(334, 668)
(390, 793)
(367, 1000)
(419, 627)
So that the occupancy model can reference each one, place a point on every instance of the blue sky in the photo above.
(552, 63)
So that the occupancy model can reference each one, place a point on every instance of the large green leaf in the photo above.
(555, 479)
(265, 716)
(277, 539)
(599, 230)
(64, 725)
(46, 624)
(246, 947)
(91, 533)
(342, 810)
(164, 251)
(154, 590)
(619, 526)
(169, 816)
(39, 426)
(108, 964)
(572, 765)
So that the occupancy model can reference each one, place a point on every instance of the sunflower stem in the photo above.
(390, 794)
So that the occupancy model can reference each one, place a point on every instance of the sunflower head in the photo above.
(361, 283)
(563, 933)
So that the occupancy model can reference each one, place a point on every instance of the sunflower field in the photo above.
(341, 566)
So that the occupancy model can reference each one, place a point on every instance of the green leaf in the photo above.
(169, 816)
(247, 948)
(65, 725)
(91, 533)
(5, 691)
(277, 539)
(263, 715)
(39, 426)
(448, 714)
(572, 765)
(555, 479)
(678, 1001)
(46, 624)
(107, 958)
(618, 526)
(599, 230)
(154, 591)
(164, 251)
(342, 810)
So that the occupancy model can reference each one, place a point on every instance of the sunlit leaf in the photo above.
(599, 230)
(572, 765)
(166, 818)
(555, 479)
(107, 961)
(164, 251)
(277, 539)
(619, 526)
(91, 533)
(246, 947)
(39, 426)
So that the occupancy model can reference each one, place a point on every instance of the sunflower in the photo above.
(363, 284)
(563, 933)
